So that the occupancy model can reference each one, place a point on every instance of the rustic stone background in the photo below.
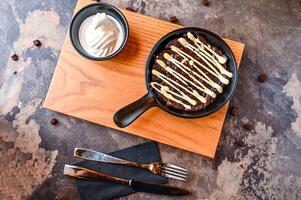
(263, 163)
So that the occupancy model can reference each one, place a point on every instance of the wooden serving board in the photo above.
(94, 91)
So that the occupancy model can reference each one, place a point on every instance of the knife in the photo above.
(138, 186)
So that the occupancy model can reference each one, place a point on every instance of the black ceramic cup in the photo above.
(88, 11)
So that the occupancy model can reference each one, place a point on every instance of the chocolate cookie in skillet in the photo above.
(189, 73)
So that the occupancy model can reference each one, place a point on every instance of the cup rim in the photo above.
(124, 24)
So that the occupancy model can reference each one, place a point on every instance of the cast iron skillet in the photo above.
(131, 112)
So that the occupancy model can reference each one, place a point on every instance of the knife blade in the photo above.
(139, 186)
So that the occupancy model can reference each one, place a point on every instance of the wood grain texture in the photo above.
(94, 91)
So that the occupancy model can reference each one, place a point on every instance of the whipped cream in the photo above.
(100, 35)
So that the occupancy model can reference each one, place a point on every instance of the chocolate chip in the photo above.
(234, 111)
(130, 9)
(37, 43)
(205, 2)
(262, 77)
(173, 19)
(15, 72)
(240, 143)
(54, 121)
(15, 57)
(247, 127)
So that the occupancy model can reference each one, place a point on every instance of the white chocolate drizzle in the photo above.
(202, 56)
(212, 71)
(167, 93)
(221, 59)
(191, 73)
(181, 66)
(173, 84)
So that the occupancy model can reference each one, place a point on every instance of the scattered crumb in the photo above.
(173, 19)
(240, 143)
(37, 43)
(234, 111)
(54, 121)
(205, 2)
(248, 126)
(15, 57)
(262, 77)
(130, 9)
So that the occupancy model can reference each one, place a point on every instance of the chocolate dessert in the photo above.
(189, 73)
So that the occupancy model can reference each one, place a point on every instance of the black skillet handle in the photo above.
(126, 115)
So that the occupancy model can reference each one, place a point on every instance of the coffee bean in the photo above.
(262, 77)
(37, 43)
(234, 111)
(205, 2)
(54, 121)
(173, 19)
(15, 57)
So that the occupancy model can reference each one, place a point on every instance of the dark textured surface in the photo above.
(267, 166)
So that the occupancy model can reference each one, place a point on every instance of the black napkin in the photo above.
(99, 190)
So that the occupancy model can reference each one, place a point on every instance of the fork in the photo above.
(163, 169)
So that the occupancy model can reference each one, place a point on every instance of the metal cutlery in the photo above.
(139, 186)
(163, 169)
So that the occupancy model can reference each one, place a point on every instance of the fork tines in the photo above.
(173, 171)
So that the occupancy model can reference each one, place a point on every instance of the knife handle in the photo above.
(88, 154)
(158, 189)
(84, 173)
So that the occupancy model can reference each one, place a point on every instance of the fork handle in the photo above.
(88, 154)
(84, 173)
